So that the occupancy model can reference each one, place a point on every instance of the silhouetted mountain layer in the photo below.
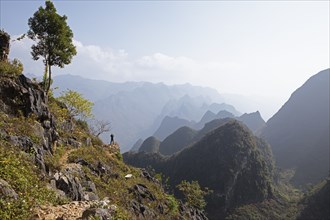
(253, 120)
(184, 136)
(177, 141)
(229, 160)
(135, 109)
(169, 124)
(150, 145)
(209, 116)
(137, 145)
(299, 131)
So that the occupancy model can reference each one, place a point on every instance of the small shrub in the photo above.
(194, 195)
(172, 204)
(13, 68)
(77, 105)
(82, 125)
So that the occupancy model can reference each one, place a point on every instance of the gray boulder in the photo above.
(97, 213)
(6, 191)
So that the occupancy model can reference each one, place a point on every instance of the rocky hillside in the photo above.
(299, 131)
(229, 160)
(51, 167)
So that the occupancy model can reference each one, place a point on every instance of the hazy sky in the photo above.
(267, 48)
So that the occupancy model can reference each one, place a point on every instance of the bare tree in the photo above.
(99, 127)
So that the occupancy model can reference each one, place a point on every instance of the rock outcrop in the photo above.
(6, 191)
(22, 97)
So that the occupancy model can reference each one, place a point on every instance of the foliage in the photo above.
(284, 204)
(13, 68)
(76, 104)
(194, 195)
(316, 202)
(4, 45)
(172, 204)
(53, 38)
(22, 175)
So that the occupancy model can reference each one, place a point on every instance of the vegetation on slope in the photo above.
(24, 179)
(49, 158)
(229, 160)
(317, 202)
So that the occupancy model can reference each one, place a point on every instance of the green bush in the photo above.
(172, 204)
(194, 195)
(13, 68)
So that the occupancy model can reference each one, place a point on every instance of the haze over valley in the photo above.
(189, 110)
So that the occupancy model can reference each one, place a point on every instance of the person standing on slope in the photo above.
(112, 139)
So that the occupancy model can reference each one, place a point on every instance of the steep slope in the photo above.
(150, 145)
(169, 125)
(136, 146)
(228, 160)
(178, 140)
(317, 203)
(299, 131)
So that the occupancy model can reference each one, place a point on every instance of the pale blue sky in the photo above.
(264, 48)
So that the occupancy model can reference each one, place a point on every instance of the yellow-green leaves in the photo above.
(77, 105)
(11, 68)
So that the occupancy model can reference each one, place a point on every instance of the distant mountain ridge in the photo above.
(299, 131)
(91, 89)
(170, 124)
(135, 109)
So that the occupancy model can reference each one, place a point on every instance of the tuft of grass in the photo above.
(53, 162)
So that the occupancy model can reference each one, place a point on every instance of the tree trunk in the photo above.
(49, 78)
(45, 77)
